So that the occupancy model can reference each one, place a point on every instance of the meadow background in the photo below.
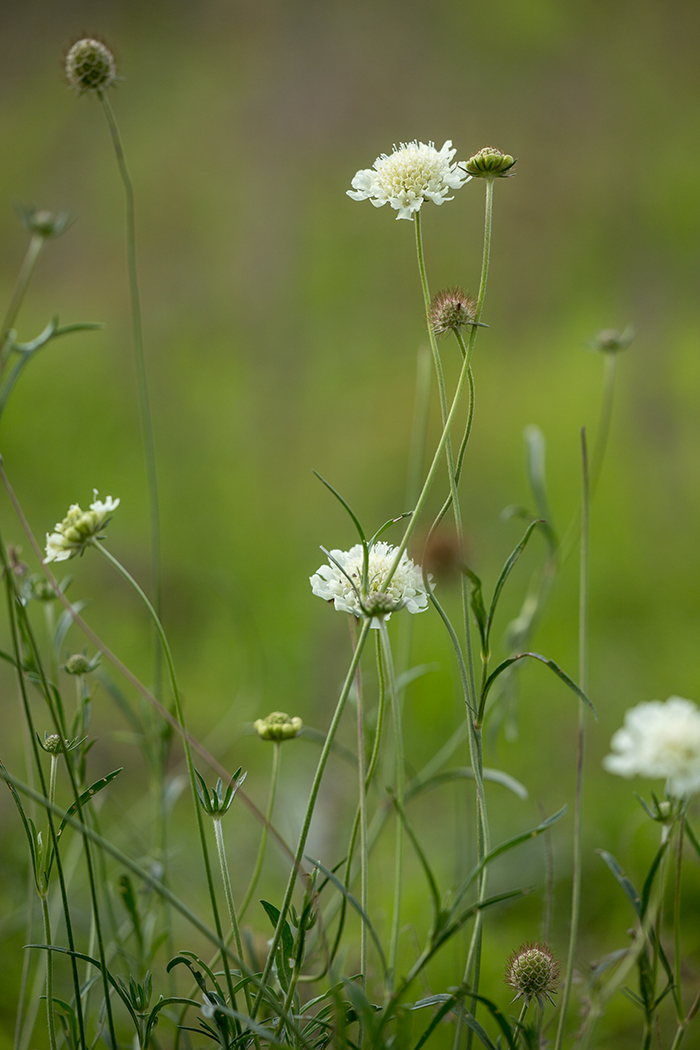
(282, 323)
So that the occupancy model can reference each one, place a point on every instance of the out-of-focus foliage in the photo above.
(282, 322)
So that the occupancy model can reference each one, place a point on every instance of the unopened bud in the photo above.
(490, 163)
(278, 726)
(90, 66)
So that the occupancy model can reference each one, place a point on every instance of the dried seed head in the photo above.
(533, 972)
(278, 726)
(490, 163)
(450, 310)
(90, 66)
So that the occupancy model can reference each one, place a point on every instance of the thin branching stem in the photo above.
(24, 276)
(274, 780)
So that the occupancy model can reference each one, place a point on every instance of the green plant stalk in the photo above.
(186, 744)
(228, 892)
(144, 401)
(362, 810)
(50, 1019)
(12, 598)
(678, 995)
(274, 780)
(311, 805)
(583, 680)
(24, 276)
(683, 1026)
(400, 791)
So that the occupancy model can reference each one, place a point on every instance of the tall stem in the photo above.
(177, 698)
(362, 809)
(678, 996)
(144, 401)
(399, 777)
(51, 1020)
(311, 805)
(583, 679)
(23, 278)
(274, 779)
(228, 893)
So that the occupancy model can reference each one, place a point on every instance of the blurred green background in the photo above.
(282, 323)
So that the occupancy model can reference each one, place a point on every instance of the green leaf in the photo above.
(476, 597)
(692, 838)
(535, 447)
(432, 884)
(363, 538)
(506, 570)
(625, 883)
(86, 796)
(126, 892)
(285, 949)
(548, 663)
(387, 525)
(497, 776)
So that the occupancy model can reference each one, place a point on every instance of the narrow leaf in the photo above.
(355, 904)
(626, 884)
(548, 663)
(506, 570)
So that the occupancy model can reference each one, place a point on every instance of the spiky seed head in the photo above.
(451, 309)
(90, 66)
(278, 726)
(52, 743)
(490, 163)
(533, 972)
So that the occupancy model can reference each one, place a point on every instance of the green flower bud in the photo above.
(44, 223)
(533, 972)
(278, 726)
(380, 604)
(79, 664)
(90, 66)
(52, 743)
(490, 163)
(609, 341)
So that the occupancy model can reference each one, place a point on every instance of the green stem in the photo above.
(362, 809)
(23, 278)
(274, 779)
(228, 892)
(399, 777)
(678, 996)
(177, 697)
(311, 805)
(144, 401)
(51, 1020)
(583, 680)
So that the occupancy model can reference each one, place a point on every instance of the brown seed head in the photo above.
(533, 972)
(450, 310)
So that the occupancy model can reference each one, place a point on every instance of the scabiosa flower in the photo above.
(450, 310)
(533, 972)
(412, 174)
(660, 740)
(78, 528)
(278, 726)
(90, 66)
(341, 583)
(490, 163)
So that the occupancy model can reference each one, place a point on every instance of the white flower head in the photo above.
(72, 535)
(341, 583)
(660, 740)
(412, 174)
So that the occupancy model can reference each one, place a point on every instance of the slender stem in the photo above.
(24, 276)
(399, 778)
(144, 401)
(177, 697)
(311, 805)
(583, 679)
(228, 893)
(274, 779)
(362, 809)
(51, 1020)
(678, 995)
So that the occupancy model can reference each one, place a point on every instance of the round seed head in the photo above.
(490, 162)
(52, 744)
(450, 310)
(278, 726)
(533, 972)
(90, 66)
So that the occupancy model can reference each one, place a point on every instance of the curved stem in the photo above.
(274, 779)
(137, 337)
(23, 278)
(311, 805)
(186, 744)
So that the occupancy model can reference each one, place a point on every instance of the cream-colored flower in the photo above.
(412, 174)
(341, 583)
(78, 528)
(660, 740)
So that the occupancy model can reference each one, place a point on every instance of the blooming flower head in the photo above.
(341, 583)
(78, 528)
(412, 174)
(533, 972)
(660, 740)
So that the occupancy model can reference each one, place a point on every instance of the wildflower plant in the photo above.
(301, 975)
